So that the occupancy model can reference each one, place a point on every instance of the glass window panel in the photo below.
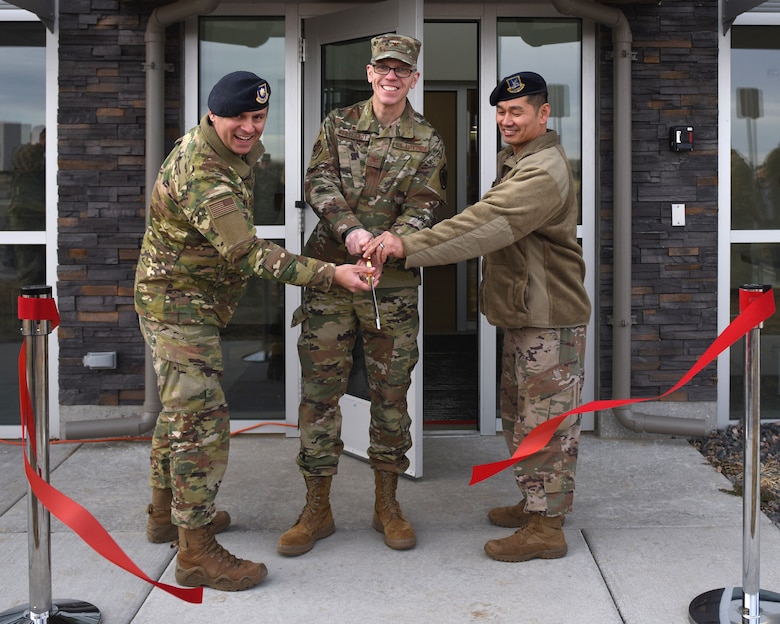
(755, 198)
(22, 134)
(253, 44)
(552, 48)
(11, 281)
(756, 263)
(22, 184)
(755, 128)
(253, 348)
(253, 344)
(344, 73)
(449, 299)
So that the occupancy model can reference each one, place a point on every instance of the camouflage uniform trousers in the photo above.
(331, 323)
(541, 378)
(191, 439)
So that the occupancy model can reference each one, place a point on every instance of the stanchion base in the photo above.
(724, 606)
(62, 612)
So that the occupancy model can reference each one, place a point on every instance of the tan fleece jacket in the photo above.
(525, 226)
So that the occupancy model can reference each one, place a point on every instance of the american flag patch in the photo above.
(222, 207)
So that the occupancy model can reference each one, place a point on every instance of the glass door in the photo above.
(23, 189)
(450, 328)
(553, 47)
(254, 343)
(337, 52)
(755, 198)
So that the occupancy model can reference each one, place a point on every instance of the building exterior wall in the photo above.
(674, 275)
(101, 195)
(101, 213)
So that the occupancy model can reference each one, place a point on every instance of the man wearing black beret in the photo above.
(532, 286)
(199, 250)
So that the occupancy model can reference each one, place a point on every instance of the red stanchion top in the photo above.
(38, 309)
(748, 293)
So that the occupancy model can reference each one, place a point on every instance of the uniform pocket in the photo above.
(352, 156)
(553, 392)
(299, 316)
(559, 481)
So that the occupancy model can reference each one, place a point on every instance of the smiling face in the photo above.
(520, 122)
(242, 132)
(390, 91)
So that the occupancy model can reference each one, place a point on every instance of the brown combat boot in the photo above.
(160, 529)
(203, 562)
(315, 521)
(513, 516)
(388, 517)
(541, 538)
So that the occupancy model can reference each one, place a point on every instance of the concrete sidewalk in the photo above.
(652, 529)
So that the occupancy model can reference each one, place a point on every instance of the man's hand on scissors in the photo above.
(385, 245)
(373, 262)
(354, 277)
(356, 240)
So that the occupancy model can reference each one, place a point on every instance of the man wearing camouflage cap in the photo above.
(377, 165)
(532, 286)
(199, 250)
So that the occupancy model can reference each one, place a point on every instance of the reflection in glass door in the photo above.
(253, 344)
(755, 199)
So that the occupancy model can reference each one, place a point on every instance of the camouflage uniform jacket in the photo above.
(525, 226)
(363, 175)
(200, 246)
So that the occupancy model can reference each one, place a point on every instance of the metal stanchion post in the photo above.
(42, 609)
(747, 604)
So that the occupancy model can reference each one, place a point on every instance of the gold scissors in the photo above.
(373, 294)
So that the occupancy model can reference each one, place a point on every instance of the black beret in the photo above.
(239, 92)
(517, 85)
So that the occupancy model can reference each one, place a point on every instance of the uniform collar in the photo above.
(369, 123)
(242, 164)
(543, 141)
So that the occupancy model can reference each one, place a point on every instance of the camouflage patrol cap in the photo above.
(517, 85)
(239, 92)
(400, 47)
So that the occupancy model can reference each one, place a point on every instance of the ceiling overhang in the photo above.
(44, 9)
(731, 9)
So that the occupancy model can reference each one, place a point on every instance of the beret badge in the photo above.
(514, 84)
(262, 93)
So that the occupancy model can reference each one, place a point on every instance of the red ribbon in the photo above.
(38, 309)
(73, 515)
(757, 310)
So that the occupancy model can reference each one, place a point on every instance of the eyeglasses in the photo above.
(400, 72)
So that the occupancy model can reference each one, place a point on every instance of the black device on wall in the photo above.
(681, 138)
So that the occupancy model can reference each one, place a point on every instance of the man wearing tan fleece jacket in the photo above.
(532, 286)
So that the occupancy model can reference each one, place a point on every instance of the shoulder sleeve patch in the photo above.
(317, 151)
(222, 207)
